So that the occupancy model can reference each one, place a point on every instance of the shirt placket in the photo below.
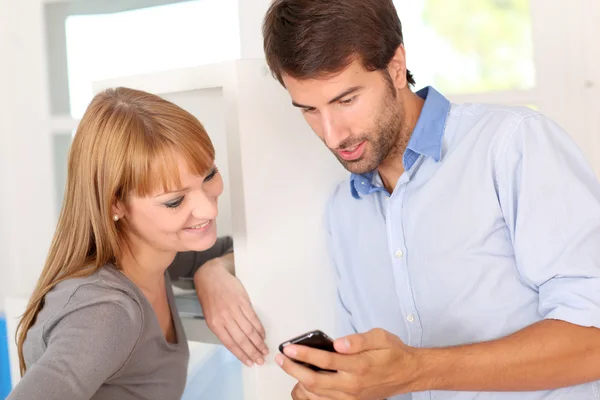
(399, 255)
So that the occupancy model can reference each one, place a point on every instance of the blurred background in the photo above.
(54, 54)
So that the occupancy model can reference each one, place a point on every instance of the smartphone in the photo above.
(315, 339)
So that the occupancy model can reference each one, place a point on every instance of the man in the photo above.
(466, 241)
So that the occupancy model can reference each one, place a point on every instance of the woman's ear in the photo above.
(118, 211)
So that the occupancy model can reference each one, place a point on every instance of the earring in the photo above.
(115, 217)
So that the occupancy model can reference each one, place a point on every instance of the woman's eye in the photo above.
(175, 203)
(211, 175)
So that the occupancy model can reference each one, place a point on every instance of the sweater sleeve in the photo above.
(187, 263)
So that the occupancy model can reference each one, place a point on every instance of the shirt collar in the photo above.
(426, 139)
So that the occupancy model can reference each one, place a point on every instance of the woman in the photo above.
(141, 195)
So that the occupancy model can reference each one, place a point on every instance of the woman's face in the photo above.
(180, 220)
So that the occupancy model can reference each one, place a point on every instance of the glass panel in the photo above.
(466, 46)
(147, 40)
(213, 373)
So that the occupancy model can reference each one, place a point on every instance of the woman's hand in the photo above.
(229, 312)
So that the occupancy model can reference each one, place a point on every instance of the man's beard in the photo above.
(383, 140)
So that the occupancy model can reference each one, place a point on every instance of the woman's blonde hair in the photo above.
(128, 142)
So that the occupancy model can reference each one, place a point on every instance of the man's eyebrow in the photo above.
(300, 105)
(336, 98)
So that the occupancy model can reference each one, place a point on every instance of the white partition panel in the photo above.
(287, 175)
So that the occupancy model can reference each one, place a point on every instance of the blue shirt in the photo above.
(495, 225)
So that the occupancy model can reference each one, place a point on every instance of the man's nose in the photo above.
(333, 132)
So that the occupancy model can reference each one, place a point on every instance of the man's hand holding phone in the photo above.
(315, 340)
(370, 366)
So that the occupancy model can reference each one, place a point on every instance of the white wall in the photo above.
(26, 190)
(251, 14)
(559, 51)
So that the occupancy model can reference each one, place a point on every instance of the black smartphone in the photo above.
(315, 339)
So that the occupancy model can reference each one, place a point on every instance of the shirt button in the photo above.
(399, 253)
(410, 318)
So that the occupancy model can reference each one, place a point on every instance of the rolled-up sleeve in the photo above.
(550, 198)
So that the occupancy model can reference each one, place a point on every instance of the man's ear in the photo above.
(397, 68)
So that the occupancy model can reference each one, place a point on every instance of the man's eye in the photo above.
(348, 101)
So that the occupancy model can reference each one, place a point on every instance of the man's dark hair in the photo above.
(311, 38)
